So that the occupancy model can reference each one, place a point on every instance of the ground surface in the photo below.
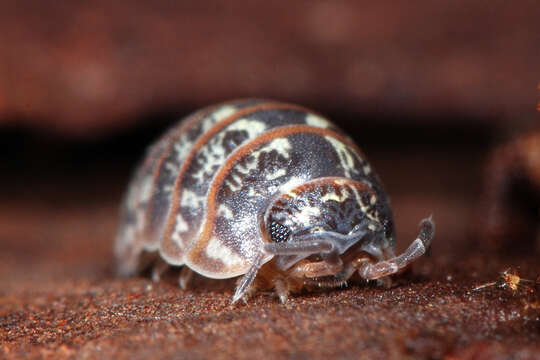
(59, 297)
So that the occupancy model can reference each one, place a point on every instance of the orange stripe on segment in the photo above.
(334, 181)
(203, 139)
(172, 138)
(211, 209)
(176, 133)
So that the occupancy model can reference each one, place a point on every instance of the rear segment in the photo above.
(148, 197)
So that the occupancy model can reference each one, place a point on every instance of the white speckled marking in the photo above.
(182, 148)
(177, 239)
(248, 164)
(305, 214)
(317, 121)
(216, 250)
(131, 198)
(181, 224)
(235, 184)
(191, 199)
(172, 168)
(363, 206)
(218, 115)
(335, 197)
(147, 188)
(140, 222)
(276, 174)
(253, 127)
(212, 155)
(290, 185)
(345, 156)
(281, 145)
(224, 211)
(252, 192)
(367, 169)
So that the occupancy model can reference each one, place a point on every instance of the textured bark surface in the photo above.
(82, 67)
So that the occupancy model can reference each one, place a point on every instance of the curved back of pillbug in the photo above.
(208, 182)
(148, 198)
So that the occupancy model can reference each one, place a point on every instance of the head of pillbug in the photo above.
(322, 229)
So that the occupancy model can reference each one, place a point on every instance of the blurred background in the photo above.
(426, 89)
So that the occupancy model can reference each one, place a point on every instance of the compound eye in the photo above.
(279, 233)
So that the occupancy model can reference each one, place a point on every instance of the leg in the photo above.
(338, 279)
(307, 247)
(384, 282)
(159, 269)
(186, 274)
(129, 260)
(282, 289)
(290, 253)
(371, 271)
(246, 281)
(316, 269)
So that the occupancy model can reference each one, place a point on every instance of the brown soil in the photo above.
(59, 297)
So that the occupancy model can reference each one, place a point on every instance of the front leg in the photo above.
(372, 271)
(308, 247)
(244, 284)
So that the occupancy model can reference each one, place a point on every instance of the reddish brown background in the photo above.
(426, 89)
(86, 66)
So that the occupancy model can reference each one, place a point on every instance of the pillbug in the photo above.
(269, 191)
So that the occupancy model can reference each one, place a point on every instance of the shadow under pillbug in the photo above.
(272, 192)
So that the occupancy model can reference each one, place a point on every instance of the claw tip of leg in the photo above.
(427, 230)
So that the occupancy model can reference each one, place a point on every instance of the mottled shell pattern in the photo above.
(232, 186)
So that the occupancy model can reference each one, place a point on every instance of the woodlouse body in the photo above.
(267, 190)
